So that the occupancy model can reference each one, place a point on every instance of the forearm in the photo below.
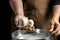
(17, 7)
(56, 11)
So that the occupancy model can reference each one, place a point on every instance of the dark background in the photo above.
(5, 20)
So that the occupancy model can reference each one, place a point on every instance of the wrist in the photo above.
(19, 13)
(55, 18)
(56, 12)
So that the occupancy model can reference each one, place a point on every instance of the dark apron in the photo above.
(36, 10)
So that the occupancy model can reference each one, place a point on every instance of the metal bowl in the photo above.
(40, 34)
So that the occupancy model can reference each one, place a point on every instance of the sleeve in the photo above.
(56, 2)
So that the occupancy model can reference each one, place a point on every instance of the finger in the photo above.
(58, 33)
(52, 27)
(31, 28)
(16, 21)
(54, 32)
(22, 28)
(57, 29)
(26, 27)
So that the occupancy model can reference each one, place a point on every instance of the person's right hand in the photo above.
(16, 20)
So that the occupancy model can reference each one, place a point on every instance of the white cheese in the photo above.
(31, 22)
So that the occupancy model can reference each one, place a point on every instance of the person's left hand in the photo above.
(55, 24)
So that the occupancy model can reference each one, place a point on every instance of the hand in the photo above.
(55, 24)
(28, 28)
(17, 18)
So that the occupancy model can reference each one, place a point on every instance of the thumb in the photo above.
(16, 21)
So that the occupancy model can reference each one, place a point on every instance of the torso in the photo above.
(39, 15)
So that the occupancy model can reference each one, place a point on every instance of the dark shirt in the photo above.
(55, 2)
